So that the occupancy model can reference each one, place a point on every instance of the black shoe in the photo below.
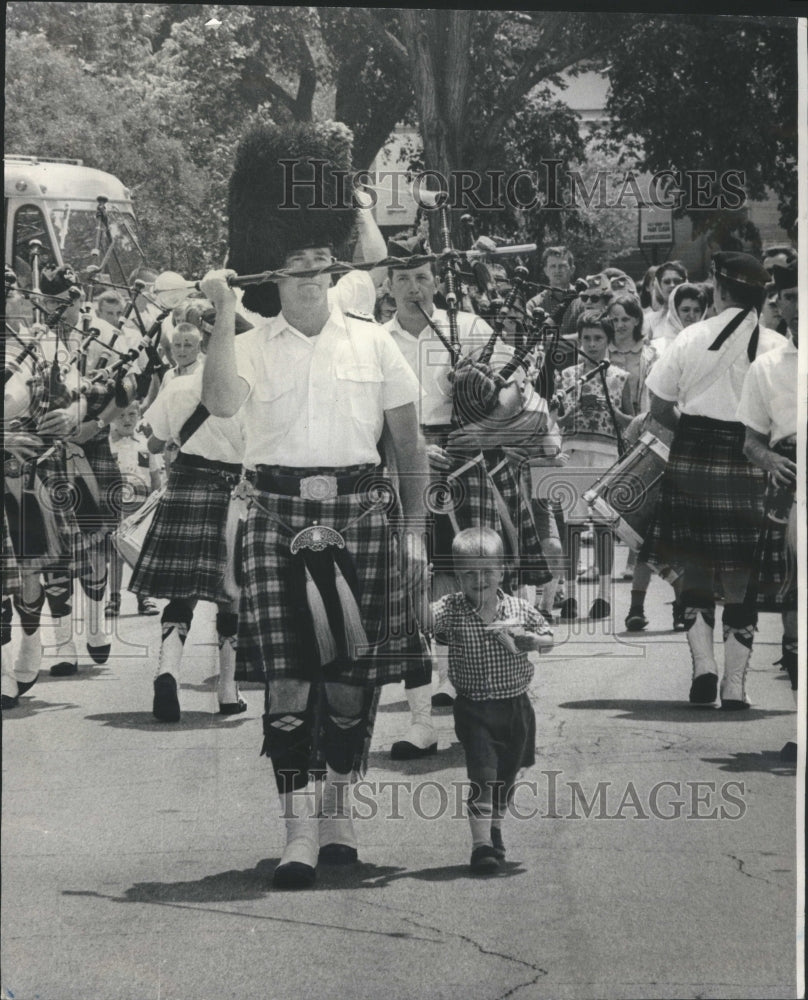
(166, 706)
(294, 875)
(232, 707)
(636, 620)
(404, 750)
(7, 702)
(442, 700)
(789, 753)
(496, 840)
(568, 611)
(600, 609)
(64, 669)
(734, 705)
(99, 654)
(24, 686)
(484, 860)
(338, 854)
(704, 689)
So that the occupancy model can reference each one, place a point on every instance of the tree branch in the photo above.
(381, 35)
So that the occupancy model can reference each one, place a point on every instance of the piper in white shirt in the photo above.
(768, 410)
(316, 389)
(711, 504)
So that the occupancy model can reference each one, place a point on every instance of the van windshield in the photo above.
(84, 240)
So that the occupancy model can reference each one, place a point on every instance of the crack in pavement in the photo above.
(480, 948)
(758, 878)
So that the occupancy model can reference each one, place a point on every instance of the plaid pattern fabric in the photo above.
(711, 504)
(56, 500)
(269, 643)
(462, 499)
(513, 486)
(481, 667)
(771, 571)
(184, 553)
(109, 483)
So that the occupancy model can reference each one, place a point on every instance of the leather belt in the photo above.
(207, 464)
(318, 486)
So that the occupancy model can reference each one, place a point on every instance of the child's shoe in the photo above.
(497, 842)
(484, 860)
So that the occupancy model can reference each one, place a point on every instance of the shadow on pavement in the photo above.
(147, 722)
(452, 757)
(764, 762)
(673, 711)
(84, 673)
(28, 707)
(255, 883)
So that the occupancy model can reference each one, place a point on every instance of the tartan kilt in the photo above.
(269, 645)
(56, 501)
(710, 510)
(105, 515)
(513, 485)
(771, 561)
(463, 498)
(11, 571)
(184, 554)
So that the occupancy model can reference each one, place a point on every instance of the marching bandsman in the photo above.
(321, 587)
(41, 412)
(184, 553)
(768, 411)
(711, 505)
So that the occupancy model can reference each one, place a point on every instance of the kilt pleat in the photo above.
(184, 553)
(514, 487)
(105, 515)
(270, 645)
(710, 509)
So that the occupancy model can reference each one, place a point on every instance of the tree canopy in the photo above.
(159, 94)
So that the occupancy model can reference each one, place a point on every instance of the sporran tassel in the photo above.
(355, 635)
(322, 629)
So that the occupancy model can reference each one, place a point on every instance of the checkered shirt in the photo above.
(481, 666)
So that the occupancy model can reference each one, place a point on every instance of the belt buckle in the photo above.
(318, 487)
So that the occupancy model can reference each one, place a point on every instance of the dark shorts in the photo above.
(497, 735)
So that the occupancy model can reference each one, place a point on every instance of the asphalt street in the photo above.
(654, 854)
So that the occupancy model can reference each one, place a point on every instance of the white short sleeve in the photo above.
(752, 408)
(665, 377)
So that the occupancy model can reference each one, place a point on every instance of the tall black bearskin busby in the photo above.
(288, 192)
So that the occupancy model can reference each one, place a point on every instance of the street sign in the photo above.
(656, 225)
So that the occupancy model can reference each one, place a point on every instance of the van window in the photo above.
(29, 224)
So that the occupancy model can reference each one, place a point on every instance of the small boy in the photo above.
(489, 635)
(140, 471)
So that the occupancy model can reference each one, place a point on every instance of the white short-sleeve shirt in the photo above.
(430, 360)
(319, 401)
(680, 375)
(220, 439)
(769, 397)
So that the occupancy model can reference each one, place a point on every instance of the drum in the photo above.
(626, 495)
(129, 536)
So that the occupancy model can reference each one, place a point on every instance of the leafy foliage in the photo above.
(667, 91)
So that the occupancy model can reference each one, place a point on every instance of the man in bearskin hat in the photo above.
(321, 590)
(711, 506)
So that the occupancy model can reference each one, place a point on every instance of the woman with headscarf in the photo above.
(668, 276)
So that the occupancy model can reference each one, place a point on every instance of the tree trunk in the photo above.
(439, 44)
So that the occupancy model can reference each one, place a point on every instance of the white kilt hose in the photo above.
(274, 624)
(184, 554)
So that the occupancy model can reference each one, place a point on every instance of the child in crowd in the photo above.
(141, 474)
(489, 635)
